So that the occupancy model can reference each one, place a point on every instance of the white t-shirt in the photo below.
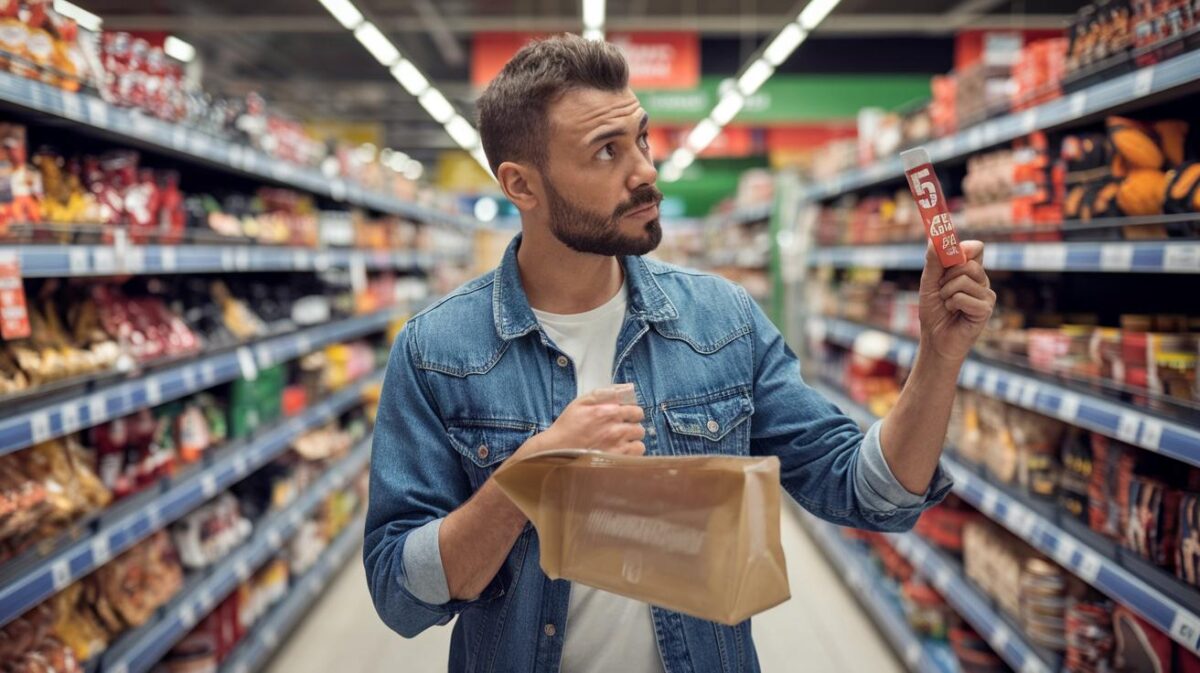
(605, 632)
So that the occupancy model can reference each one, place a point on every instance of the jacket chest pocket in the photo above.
(484, 445)
(717, 424)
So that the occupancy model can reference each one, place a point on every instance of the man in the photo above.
(520, 360)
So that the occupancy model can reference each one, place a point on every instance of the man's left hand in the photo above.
(955, 303)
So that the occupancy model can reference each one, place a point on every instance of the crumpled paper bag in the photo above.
(693, 534)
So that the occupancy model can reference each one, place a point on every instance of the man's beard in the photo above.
(587, 232)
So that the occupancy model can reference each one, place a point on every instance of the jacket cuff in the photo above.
(424, 575)
(877, 487)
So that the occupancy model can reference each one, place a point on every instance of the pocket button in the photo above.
(562, 361)
(483, 451)
(714, 427)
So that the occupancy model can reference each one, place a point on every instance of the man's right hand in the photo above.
(598, 420)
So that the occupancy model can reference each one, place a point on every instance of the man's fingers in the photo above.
(973, 250)
(932, 261)
(972, 307)
(967, 285)
(619, 394)
(632, 449)
(972, 269)
(632, 414)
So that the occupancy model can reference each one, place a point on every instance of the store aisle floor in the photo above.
(821, 630)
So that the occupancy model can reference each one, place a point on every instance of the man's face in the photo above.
(599, 178)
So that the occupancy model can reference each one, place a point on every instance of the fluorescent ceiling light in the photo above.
(730, 104)
(784, 44)
(758, 72)
(683, 157)
(701, 136)
(670, 172)
(815, 12)
(345, 12)
(81, 16)
(409, 77)
(380, 47)
(436, 105)
(178, 49)
(593, 14)
(462, 132)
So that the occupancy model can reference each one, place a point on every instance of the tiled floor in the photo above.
(821, 630)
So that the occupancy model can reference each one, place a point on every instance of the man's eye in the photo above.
(644, 141)
(606, 153)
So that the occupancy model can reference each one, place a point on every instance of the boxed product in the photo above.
(696, 534)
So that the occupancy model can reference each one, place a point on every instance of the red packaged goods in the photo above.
(943, 525)
(1187, 559)
(1140, 646)
(931, 201)
(1089, 636)
(1151, 526)
(1108, 494)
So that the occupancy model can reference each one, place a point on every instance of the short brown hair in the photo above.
(512, 111)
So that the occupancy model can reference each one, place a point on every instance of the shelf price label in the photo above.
(1151, 436)
(1068, 407)
(208, 485)
(101, 552)
(1064, 551)
(912, 655)
(989, 501)
(1127, 427)
(1181, 257)
(1078, 103)
(990, 382)
(1045, 257)
(1000, 637)
(153, 390)
(97, 409)
(246, 363)
(1143, 81)
(77, 260)
(69, 414)
(1116, 257)
(1029, 121)
(1029, 395)
(170, 260)
(39, 426)
(60, 574)
(1185, 628)
(1089, 566)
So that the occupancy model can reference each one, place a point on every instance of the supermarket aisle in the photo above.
(821, 630)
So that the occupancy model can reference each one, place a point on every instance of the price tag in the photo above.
(321, 261)
(1068, 407)
(1127, 428)
(991, 381)
(153, 391)
(179, 138)
(39, 426)
(1116, 257)
(1151, 437)
(1029, 122)
(242, 259)
(120, 667)
(1078, 102)
(295, 519)
(72, 108)
(1000, 637)
(208, 485)
(60, 574)
(101, 552)
(208, 372)
(97, 409)
(912, 655)
(1031, 665)
(69, 413)
(1143, 81)
(1181, 257)
(1064, 550)
(246, 363)
(189, 379)
(337, 189)
(1029, 395)
(153, 518)
(941, 579)
(240, 466)
(1186, 629)
(242, 570)
(187, 615)
(97, 112)
(1045, 257)
(1022, 521)
(989, 501)
(170, 260)
(227, 259)
(77, 260)
(270, 637)
(304, 343)
(1013, 389)
(274, 539)
(970, 374)
(975, 137)
(300, 260)
(1089, 566)
(104, 260)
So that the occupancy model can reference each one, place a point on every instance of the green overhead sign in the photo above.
(786, 99)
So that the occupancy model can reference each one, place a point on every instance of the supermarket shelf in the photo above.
(94, 114)
(1113, 93)
(918, 656)
(140, 650)
(1108, 257)
(1091, 565)
(31, 585)
(57, 418)
(946, 576)
(52, 261)
(1121, 421)
(264, 639)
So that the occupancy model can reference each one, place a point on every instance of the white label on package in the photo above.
(70, 417)
(1116, 257)
(39, 426)
(1127, 428)
(1151, 437)
(60, 574)
(101, 552)
(1181, 257)
(1143, 81)
(77, 260)
(1068, 407)
(246, 363)
(170, 260)
(1186, 628)
(97, 409)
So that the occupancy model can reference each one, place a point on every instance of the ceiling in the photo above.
(305, 63)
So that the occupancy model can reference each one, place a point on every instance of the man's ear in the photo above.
(521, 184)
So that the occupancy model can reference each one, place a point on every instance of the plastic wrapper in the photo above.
(697, 534)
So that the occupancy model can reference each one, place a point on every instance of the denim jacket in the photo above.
(473, 377)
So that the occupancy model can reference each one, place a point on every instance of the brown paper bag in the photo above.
(697, 535)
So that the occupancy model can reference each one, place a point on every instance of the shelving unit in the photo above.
(97, 117)
(919, 656)
(62, 417)
(1180, 620)
(1179, 73)
(24, 587)
(140, 650)
(1125, 422)
(264, 639)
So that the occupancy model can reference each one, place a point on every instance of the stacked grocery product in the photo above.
(1110, 37)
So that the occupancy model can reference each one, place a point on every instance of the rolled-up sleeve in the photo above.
(827, 463)
(416, 481)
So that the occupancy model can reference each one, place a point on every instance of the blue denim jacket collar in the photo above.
(514, 318)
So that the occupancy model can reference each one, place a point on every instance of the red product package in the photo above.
(931, 202)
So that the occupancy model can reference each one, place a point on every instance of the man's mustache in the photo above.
(641, 198)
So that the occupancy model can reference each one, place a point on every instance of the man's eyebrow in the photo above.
(618, 132)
